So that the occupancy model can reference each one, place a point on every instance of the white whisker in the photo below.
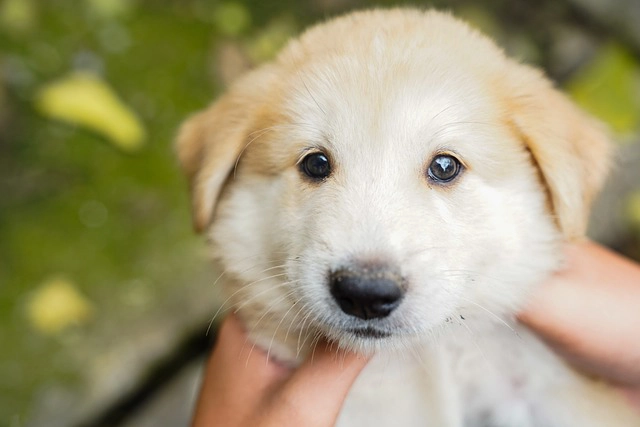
(495, 316)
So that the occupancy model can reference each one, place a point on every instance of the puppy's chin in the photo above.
(370, 340)
(298, 345)
(369, 332)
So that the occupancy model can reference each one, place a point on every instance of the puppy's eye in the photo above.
(316, 166)
(444, 168)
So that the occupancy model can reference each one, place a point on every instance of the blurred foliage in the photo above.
(231, 18)
(75, 206)
(633, 209)
(17, 16)
(266, 43)
(94, 230)
(609, 88)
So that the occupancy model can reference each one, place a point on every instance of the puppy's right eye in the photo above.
(316, 166)
(444, 168)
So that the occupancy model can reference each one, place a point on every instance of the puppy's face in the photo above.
(389, 173)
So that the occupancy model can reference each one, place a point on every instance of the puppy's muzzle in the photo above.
(365, 292)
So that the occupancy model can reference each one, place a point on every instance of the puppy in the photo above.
(394, 184)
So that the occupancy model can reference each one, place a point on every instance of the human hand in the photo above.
(590, 313)
(242, 387)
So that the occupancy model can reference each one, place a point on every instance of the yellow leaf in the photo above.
(56, 305)
(87, 101)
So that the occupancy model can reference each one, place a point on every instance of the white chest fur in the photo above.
(493, 377)
(405, 390)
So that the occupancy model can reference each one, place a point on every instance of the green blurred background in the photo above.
(105, 292)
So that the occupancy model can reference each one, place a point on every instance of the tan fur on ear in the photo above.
(571, 149)
(209, 143)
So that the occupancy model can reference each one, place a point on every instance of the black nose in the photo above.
(366, 293)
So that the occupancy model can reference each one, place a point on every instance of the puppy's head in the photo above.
(388, 172)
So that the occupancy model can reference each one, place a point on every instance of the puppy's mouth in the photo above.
(369, 332)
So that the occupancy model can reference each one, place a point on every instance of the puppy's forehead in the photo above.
(361, 103)
(398, 90)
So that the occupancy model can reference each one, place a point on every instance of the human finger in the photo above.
(237, 377)
(589, 312)
(315, 392)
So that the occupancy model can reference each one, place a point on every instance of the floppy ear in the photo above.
(571, 150)
(210, 142)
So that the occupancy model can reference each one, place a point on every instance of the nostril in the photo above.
(366, 294)
(346, 304)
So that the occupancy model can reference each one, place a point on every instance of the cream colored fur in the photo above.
(382, 92)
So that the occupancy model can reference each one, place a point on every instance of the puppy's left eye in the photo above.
(444, 168)
(316, 166)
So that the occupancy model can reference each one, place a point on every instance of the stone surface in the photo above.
(172, 405)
